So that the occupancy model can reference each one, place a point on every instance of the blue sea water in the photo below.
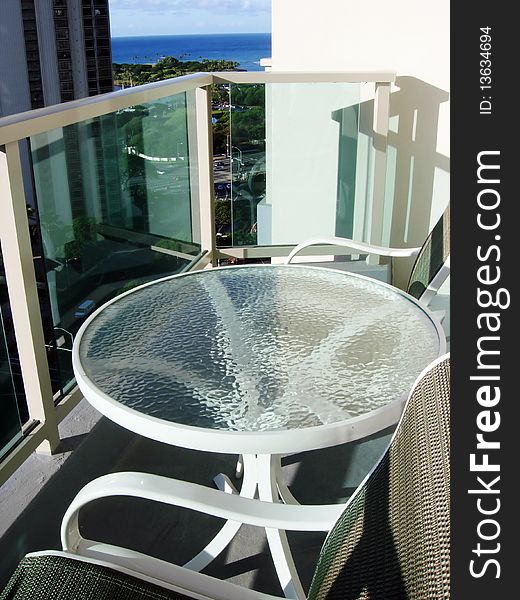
(245, 48)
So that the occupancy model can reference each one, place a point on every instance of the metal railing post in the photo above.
(23, 295)
(205, 171)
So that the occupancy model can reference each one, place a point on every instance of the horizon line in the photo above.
(184, 34)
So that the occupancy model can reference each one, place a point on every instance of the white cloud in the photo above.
(166, 17)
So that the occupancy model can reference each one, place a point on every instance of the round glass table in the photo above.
(257, 360)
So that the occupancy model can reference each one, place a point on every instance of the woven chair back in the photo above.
(432, 256)
(393, 540)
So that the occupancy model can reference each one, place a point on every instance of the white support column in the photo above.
(23, 295)
(205, 170)
(380, 142)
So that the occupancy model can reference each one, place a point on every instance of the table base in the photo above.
(262, 475)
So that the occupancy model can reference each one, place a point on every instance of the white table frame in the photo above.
(261, 450)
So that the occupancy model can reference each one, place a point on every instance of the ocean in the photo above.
(245, 48)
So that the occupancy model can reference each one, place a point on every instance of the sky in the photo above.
(171, 17)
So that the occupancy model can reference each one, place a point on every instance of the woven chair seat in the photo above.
(61, 578)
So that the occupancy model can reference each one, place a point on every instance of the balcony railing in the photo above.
(126, 187)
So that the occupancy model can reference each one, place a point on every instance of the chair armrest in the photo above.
(199, 498)
(359, 247)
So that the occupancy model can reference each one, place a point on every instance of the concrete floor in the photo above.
(324, 476)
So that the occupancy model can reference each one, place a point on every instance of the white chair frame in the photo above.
(199, 498)
(369, 249)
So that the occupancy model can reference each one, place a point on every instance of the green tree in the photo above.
(248, 125)
(84, 229)
(221, 132)
(222, 214)
(126, 74)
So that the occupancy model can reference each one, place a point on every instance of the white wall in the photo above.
(405, 36)
(305, 127)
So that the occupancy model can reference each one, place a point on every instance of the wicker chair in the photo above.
(432, 259)
(391, 541)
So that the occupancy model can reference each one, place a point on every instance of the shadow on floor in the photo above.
(170, 533)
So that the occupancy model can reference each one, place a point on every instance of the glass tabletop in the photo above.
(258, 348)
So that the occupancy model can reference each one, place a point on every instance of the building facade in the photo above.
(53, 51)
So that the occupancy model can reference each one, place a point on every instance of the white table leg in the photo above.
(262, 471)
(230, 528)
(283, 490)
(239, 471)
(268, 468)
(224, 484)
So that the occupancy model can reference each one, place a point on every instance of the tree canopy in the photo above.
(127, 75)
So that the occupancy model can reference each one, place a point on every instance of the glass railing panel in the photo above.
(10, 422)
(247, 159)
(114, 204)
(220, 118)
(298, 161)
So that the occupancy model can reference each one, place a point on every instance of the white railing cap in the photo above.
(22, 125)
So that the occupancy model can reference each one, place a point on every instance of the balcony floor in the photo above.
(323, 476)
